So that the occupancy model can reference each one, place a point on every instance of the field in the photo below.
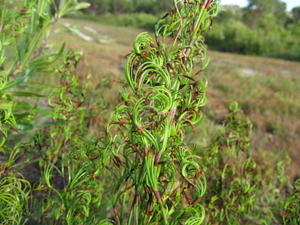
(266, 89)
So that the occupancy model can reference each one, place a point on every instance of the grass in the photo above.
(267, 89)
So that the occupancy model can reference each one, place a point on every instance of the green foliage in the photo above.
(296, 14)
(258, 8)
(100, 6)
(291, 209)
(233, 175)
(259, 29)
(14, 193)
(131, 13)
(241, 187)
(232, 172)
(157, 174)
(138, 20)
(152, 6)
(121, 6)
(129, 6)
(23, 33)
(22, 55)
(265, 39)
(69, 190)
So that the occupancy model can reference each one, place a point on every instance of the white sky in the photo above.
(290, 3)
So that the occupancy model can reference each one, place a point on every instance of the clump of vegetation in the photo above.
(14, 194)
(262, 28)
(138, 20)
(291, 207)
(152, 162)
(23, 37)
(141, 171)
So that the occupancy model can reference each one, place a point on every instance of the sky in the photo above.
(290, 3)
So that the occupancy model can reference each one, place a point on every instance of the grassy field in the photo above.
(266, 89)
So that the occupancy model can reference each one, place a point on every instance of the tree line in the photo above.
(254, 10)
(129, 6)
(264, 28)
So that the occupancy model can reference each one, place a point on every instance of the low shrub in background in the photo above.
(263, 28)
(235, 36)
(137, 20)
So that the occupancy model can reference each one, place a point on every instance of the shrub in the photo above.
(22, 55)
(157, 174)
(271, 41)
(291, 208)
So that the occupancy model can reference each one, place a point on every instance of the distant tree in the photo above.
(152, 6)
(101, 6)
(163, 5)
(230, 12)
(267, 6)
(122, 6)
(146, 6)
(256, 9)
(296, 13)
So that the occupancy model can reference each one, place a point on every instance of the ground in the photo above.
(268, 90)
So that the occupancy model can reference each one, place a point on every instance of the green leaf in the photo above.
(82, 5)
(23, 77)
(6, 105)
